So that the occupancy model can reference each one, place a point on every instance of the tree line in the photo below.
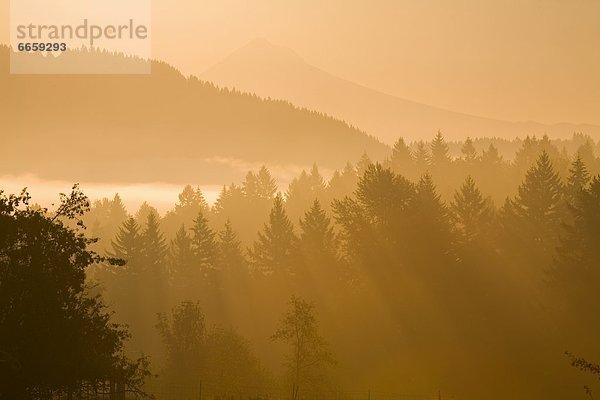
(415, 285)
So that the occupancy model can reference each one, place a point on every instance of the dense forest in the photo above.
(435, 269)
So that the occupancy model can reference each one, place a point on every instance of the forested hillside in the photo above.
(159, 127)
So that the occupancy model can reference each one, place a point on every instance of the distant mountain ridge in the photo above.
(159, 127)
(278, 72)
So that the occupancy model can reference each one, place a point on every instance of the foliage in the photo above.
(55, 336)
(308, 352)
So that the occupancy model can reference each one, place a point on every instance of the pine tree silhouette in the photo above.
(153, 242)
(128, 243)
(402, 159)
(578, 180)
(317, 239)
(491, 158)
(231, 256)
(468, 151)
(204, 245)
(472, 213)
(274, 251)
(540, 197)
(440, 157)
(422, 158)
(181, 254)
(431, 218)
(363, 165)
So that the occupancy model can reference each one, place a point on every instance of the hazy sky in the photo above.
(515, 60)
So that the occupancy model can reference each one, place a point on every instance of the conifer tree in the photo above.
(181, 254)
(191, 200)
(577, 260)
(303, 191)
(260, 186)
(267, 187)
(203, 244)
(439, 152)
(128, 245)
(250, 185)
(531, 150)
(431, 225)
(117, 213)
(540, 196)
(274, 251)
(141, 216)
(586, 153)
(422, 158)
(318, 247)
(468, 151)
(580, 246)
(317, 239)
(342, 183)
(191, 203)
(317, 183)
(231, 257)
(383, 194)
(110, 214)
(472, 213)
(363, 164)
(532, 222)
(402, 158)
(229, 202)
(153, 242)
(491, 158)
(578, 179)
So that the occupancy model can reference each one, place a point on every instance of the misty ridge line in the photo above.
(527, 127)
(213, 122)
(270, 70)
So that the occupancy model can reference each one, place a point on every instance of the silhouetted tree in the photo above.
(153, 242)
(579, 251)
(431, 233)
(468, 151)
(309, 352)
(440, 157)
(183, 333)
(578, 180)
(231, 258)
(128, 244)
(260, 185)
(540, 196)
(402, 159)
(191, 203)
(532, 221)
(491, 158)
(204, 247)
(274, 252)
(303, 191)
(141, 216)
(422, 158)
(342, 183)
(319, 249)
(472, 213)
(57, 339)
(363, 164)
(196, 354)
(181, 258)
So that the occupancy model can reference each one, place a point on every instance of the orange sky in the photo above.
(515, 60)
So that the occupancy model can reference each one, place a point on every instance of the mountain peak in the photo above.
(277, 72)
(261, 51)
